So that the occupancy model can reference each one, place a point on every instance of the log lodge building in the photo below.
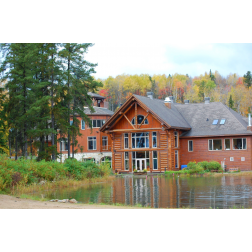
(156, 135)
(159, 135)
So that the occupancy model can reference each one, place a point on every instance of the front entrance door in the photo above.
(140, 164)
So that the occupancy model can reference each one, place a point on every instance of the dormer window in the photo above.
(139, 120)
(215, 122)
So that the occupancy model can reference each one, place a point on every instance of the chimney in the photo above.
(150, 95)
(168, 102)
(171, 99)
(187, 101)
(249, 123)
(207, 100)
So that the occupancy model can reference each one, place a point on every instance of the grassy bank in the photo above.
(201, 168)
(29, 175)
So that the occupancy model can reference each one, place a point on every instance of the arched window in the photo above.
(106, 159)
(139, 120)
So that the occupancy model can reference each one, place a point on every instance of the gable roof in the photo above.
(195, 118)
(98, 111)
(172, 117)
(93, 95)
(200, 116)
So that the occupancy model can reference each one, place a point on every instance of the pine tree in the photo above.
(79, 82)
(230, 102)
(248, 79)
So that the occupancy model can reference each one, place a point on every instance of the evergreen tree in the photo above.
(230, 102)
(79, 82)
(248, 79)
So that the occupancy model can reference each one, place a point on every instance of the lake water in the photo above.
(166, 192)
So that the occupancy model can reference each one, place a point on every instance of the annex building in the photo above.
(159, 135)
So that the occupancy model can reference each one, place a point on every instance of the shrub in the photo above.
(214, 165)
(204, 165)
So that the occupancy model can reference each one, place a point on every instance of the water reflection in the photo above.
(167, 192)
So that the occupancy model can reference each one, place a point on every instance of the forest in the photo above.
(233, 90)
(43, 85)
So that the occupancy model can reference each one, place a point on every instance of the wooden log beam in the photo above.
(133, 130)
(129, 121)
(143, 120)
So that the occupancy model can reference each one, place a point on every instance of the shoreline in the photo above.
(13, 202)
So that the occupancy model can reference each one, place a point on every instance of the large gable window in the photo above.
(139, 120)
(140, 140)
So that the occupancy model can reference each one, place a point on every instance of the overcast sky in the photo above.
(184, 58)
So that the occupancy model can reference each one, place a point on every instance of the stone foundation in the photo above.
(87, 155)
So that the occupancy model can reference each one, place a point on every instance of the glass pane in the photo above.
(222, 121)
(155, 164)
(147, 142)
(244, 143)
(126, 155)
(215, 122)
(154, 140)
(217, 144)
(190, 145)
(147, 154)
(99, 123)
(227, 144)
(82, 124)
(154, 154)
(126, 164)
(146, 121)
(94, 123)
(154, 133)
(133, 143)
(126, 135)
(140, 154)
(147, 163)
(90, 145)
(139, 119)
(237, 143)
(95, 144)
(210, 144)
(126, 143)
(134, 154)
(133, 121)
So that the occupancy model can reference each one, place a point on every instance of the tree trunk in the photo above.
(52, 115)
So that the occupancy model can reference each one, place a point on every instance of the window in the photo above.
(126, 141)
(104, 143)
(176, 139)
(154, 139)
(107, 159)
(96, 123)
(140, 140)
(190, 145)
(215, 122)
(88, 159)
(126, 161)
(92, 143)
(139, 120)
(176, 159)
(222, 121)
(71, 122)
(239, 144)
(155, 161)
(82, 124)
(63, 145)
(227, 144)
(215, 144)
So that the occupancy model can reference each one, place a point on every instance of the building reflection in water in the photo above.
(177, 192)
